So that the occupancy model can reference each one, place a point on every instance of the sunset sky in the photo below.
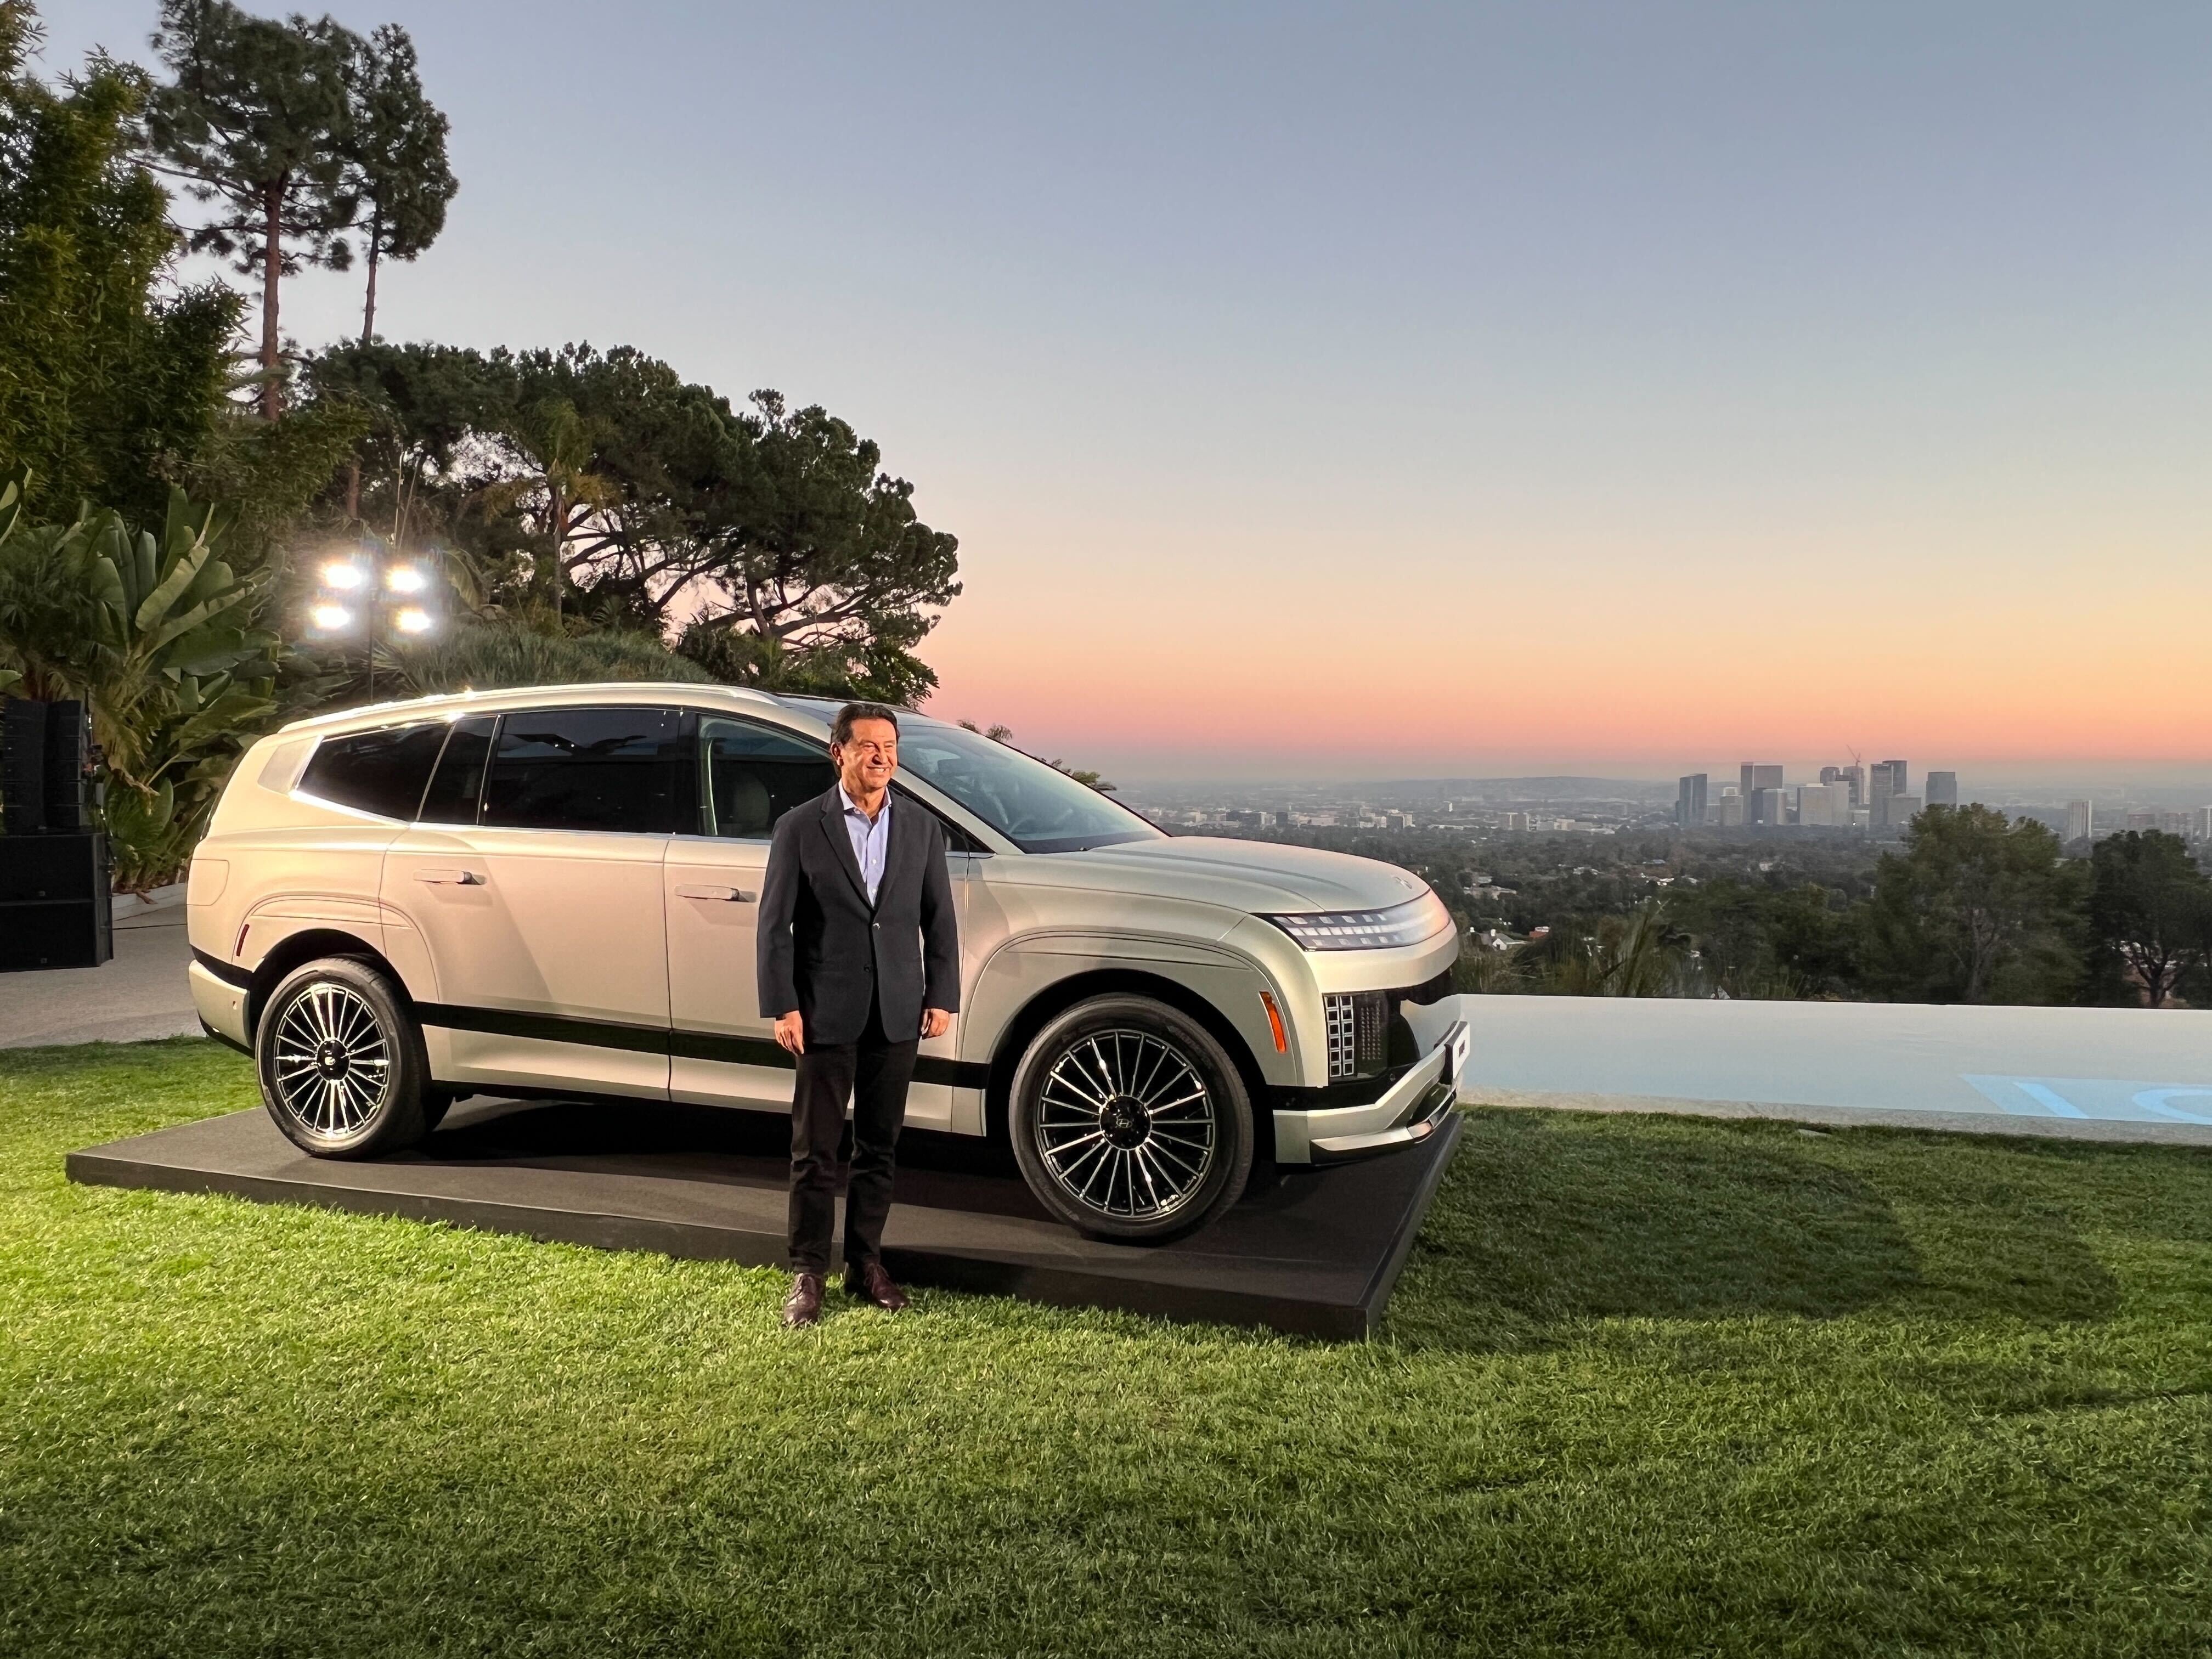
(1359, 390)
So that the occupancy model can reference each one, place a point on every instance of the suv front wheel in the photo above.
(1130, 1122)
(343, 1069)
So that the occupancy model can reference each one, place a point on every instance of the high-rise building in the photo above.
(1903, 809)
(2200, 823)
(1856, 777)
(1770, 805)
(1757, 781)
(1756, 777)
(1942, 788)
(1828, 804)
(1886, 780)
(1690, 800)
(1732, 805)
(2081, 819)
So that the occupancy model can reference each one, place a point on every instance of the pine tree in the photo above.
(257, 120)
(397, 172)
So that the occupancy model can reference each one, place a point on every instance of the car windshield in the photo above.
(1037, 808)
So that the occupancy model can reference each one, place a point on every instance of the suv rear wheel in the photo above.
(1130, 1122)
(343, 1069)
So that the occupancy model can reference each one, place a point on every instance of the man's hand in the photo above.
(791, 1031)
(935, 1022)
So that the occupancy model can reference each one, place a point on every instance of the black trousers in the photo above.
(873, 1074)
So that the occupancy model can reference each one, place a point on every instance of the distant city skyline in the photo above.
(2054, 783)
(1344, 391)
(1836, 805)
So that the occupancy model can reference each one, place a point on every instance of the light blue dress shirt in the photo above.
(871, 841)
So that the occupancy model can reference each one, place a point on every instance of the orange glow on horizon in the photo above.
(1180, 655)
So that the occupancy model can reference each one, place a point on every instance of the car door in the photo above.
(536, 900)
(748, 774)
(724, 1050)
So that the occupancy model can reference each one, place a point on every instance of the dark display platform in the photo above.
(1314, 1252)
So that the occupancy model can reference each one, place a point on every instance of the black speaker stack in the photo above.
(56, 876)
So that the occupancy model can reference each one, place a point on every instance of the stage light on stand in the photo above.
(366, 590)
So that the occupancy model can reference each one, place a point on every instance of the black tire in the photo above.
(1130, 1122)
(341, 1061)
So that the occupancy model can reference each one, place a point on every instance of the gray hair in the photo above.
(841, 733)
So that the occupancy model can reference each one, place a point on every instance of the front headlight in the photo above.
(1366, 930)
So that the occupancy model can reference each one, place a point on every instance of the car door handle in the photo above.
(451, 878)
(727, 895)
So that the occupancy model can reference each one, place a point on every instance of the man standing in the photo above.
(860, 960)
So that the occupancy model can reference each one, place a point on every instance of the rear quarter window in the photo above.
(381, 772)
(608, 769)
(459, 781)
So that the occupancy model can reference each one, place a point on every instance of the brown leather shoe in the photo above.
(803, 1307)
(872, 1284)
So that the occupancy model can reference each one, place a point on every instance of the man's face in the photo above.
(865, 763)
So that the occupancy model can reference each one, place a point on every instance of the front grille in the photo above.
(1357, 1023)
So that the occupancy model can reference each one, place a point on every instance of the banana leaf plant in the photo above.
(162, 639)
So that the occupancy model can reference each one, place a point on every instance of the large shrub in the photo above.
(108, 383)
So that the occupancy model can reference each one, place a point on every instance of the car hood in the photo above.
(1243, 875)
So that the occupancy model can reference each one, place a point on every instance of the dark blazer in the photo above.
(825, 951)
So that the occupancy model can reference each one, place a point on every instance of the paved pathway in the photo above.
(2096, 1073)
(140, 993)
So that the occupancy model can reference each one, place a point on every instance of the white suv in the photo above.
(553, 893)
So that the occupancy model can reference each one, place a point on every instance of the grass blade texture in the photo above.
(1650, 1386)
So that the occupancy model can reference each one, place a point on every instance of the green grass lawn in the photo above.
(1650, 1385)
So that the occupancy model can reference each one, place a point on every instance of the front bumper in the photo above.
(1404, 1114)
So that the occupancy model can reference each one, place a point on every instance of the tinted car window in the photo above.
(458, 779)
(751, 776)
(586, 769)
(381, 772)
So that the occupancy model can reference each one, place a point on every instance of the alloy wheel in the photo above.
(1127, 1126)
(333, 1060)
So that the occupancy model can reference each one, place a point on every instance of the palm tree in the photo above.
(1649, 954)
(1642, 954)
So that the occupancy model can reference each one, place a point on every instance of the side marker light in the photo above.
(1275, 1022)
